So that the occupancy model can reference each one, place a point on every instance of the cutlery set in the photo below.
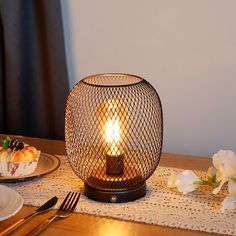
(66, 209)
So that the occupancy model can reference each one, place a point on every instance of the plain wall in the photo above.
(185, 48)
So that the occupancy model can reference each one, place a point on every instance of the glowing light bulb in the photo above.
(113, 135)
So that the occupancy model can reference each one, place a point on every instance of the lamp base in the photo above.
(115, 196)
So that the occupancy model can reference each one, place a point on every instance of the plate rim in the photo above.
(17, 209)
(32, 175)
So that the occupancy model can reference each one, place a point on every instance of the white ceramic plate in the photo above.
(10, 202)
(47, 164)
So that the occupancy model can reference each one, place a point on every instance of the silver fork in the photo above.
(66, 209)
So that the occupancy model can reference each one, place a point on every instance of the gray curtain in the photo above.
(33, 73)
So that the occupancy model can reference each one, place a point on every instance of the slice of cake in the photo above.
(17, 158)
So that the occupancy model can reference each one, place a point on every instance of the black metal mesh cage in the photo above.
(113, 130)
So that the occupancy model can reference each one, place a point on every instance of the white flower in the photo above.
(211, 172)
(228, 203)
(232, 187)
(225, 163)
(185, 181)
(223, 172)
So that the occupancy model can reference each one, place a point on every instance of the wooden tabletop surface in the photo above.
(86, 225)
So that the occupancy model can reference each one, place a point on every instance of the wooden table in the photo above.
(86, 225)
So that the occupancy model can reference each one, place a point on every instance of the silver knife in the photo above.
(45, 207)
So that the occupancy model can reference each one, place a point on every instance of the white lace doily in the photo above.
(199, 210)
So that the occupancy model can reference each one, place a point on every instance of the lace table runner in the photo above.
(199, 210)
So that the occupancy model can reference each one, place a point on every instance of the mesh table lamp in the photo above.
(113, 133)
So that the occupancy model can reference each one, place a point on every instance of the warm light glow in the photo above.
(113, 135)
(112, 131)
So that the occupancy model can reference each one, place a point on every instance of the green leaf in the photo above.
(6, 142)
(202, 182)
(212, 179)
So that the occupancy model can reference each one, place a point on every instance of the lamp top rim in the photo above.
(112, 80)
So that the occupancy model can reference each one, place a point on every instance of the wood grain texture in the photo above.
(86, 225)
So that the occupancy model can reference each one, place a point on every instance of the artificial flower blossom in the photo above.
(222, 172)
(211, 172)
(230, 201)
(224, 162)
(232, 187)
(185, 181)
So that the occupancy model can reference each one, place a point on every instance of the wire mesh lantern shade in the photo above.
(113, 133)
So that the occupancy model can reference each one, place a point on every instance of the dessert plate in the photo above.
(10, 202)
(47, 163)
